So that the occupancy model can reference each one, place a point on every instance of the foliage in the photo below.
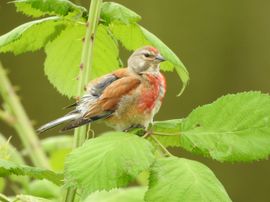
(126, 154)
(40, 8)
(133, 194)
(58, 148)
(234, 128)
(10, 168)
(168, 132)
(44, 189)
(21, 39)
(186, 180)
(8, 151)
(53, 32)
(111, 11)
(62, 67)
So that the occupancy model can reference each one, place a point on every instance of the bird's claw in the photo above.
(136, 129)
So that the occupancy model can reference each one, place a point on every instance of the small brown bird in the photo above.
(126, 98)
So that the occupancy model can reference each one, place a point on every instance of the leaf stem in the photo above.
(165, 151)
(166, 134)
(80, 133)
(22, 123)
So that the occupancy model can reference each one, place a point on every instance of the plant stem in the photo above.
(6, 117)
(165, 151)
(80, 133)
(22, 123)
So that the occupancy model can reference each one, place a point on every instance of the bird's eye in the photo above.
(147, 55)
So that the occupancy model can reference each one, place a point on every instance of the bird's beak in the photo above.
(160, 58)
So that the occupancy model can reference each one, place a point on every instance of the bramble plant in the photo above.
(82, 45)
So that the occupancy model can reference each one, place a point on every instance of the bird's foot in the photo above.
(136, 129)
(147, 133)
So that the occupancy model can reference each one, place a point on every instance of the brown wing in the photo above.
(108, 78)
(112, 94)
(98, 85)
(104, 93)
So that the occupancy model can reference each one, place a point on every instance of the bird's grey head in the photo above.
(146, 59)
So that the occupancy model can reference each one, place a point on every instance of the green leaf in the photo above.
(9, 168)
(39, 8)
(62, 67)
(51, 144)
(57, 159)
(132, 194)
(133, 36)
(234, 128)
(108, 162)
(170, 56)
(183, 180)
(9, 152)
(31, 36)
(168, 132)
(111, 11)
(130, 35)
(44, 189)
(57, 147)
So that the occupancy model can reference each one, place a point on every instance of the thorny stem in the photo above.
(22, 123)
(80, 134)
(6, 117)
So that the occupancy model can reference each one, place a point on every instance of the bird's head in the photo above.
(146, 59)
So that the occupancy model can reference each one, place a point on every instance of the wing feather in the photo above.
(112, 94)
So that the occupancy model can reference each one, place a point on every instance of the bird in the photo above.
(124, 99)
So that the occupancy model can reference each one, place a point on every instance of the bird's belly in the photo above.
(139, 107)
(129, 114)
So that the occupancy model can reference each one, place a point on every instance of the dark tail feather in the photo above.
(70, 106)
(52, 124)
(82, 121)
(75, 124)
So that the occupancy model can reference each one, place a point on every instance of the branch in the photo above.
(22, 124)
(87, 60)
(84, 77)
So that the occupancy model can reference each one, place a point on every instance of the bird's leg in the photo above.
(139, 126)
(137, 129)
(90, 131)
(77, 98)
(147, 133)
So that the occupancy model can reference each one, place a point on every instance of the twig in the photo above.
(22, 125)
(80, 134)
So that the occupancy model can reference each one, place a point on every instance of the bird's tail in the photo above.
(66, 118)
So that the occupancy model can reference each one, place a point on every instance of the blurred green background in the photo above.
(225, 46)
